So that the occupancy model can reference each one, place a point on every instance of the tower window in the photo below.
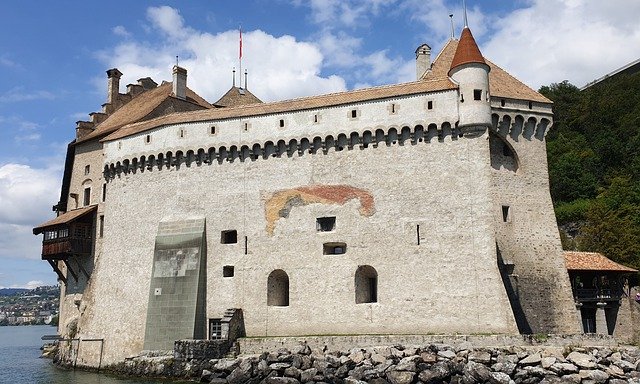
(393, 108)
(281, 123)
(147, 139)
(334, 248)
(86, 197)
(354, 113)
(315, 118)
(502, 102)
(181, 133)
(104, 192)
(477, 94)
(87, 169)
(326, 224)
(530, 105)
(101, 225)
(229, 237)
(430, 104)
(506, 213)
(212, 130)
(227, 271)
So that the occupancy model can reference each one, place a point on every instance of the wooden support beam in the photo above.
(70, 270)
(57, 270)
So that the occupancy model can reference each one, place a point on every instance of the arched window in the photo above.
(366, 284)
(278, 289)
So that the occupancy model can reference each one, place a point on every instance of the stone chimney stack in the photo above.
(423, 60)
(113, 85)
(179, 82)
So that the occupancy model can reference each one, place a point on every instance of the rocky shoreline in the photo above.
(434, 363)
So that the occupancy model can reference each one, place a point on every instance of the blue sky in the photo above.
(53, 57)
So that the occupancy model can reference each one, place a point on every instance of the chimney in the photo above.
(113, 85)
(179, 82)
(423, 60)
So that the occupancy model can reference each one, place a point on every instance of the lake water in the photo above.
(20, 361)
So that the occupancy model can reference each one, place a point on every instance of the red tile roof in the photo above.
(592, 261)
(467, 51)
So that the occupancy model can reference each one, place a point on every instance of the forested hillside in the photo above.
(594, 166)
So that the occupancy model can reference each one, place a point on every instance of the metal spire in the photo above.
(234, 77)
(464, 9)
(452, 31)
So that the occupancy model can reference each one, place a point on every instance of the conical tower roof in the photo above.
(467, 51)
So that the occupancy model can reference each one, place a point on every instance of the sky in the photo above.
(53, 58)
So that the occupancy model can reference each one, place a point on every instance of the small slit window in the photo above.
(354, 113)
(315, 118)
(101, 229)
(506, 214)
(87, 169)
(181, 133)
(477, 94)
(430, 104)
(281, 123)
(393, 108)
(334, 248)
(212, 130)
(227, 271)
(246, 126)
(530, 105)
(229, 237)
(502, 102)
(326, 224)
(147, 139)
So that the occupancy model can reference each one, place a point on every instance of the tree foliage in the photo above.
(594, 164)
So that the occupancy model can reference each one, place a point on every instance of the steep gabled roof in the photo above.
(501, 83)
(139, 107)
(236, 97)
(65, 218)
(592, 261)
(467, 50)
(329, 100)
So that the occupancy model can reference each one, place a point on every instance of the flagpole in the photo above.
(240, 56)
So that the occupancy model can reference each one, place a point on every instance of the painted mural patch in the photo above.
(175, 262)
(280, 203)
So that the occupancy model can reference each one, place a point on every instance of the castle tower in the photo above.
(470, 71)
(423, 60)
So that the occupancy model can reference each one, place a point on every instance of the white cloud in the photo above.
(121, 31)
(19, 94)
(555, 40)
(34, 284)
(286, 68)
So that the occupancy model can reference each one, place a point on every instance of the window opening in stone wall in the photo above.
(506, 213)
(334, 248)
(502, 102)
(278, 289)
(393, 108)
(87, 196)
(430, 104)
(246, 126)
(215, 329)
(227, 271)
(101, 229)
(281, 123)
(315, 118)
(182, 133)
(326, 224)
(87, 169)
(147, 139)
(477, 94)
(104, 192)
(212, 130)
(366, 284)
(246, 245)
(354, 113)
(229, 236)
(418, 233)
(461, 98)
(530, 105)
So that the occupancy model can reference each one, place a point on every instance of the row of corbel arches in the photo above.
(293, 147)
(516, 126)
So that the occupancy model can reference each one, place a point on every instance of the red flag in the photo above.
(241, 43)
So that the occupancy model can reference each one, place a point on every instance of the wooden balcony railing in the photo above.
(62, 247)
(587, 294)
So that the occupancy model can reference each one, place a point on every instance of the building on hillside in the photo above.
(413, 208)
(601, 289)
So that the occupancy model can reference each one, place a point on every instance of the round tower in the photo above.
(470, 71)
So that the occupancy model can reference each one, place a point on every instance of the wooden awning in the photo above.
(65, 218)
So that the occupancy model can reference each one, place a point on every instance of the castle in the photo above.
(414, 208)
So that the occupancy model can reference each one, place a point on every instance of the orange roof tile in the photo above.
(501, 83)
(592, 261)
(467, 51)
(304, 103)
(139, 107)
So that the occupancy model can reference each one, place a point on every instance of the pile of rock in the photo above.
(431, 364)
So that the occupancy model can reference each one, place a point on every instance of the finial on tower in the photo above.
(452, 31)
(464, 9)
(245, 80)
(234, 77)
(177, 61)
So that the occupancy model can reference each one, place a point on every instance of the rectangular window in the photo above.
(229, 237)
(281, 123)
(63, 232)
(147, 139)
(477, 94)
(50, 235)
(354, 113)
(429, 104)
(212, 130)
(393, 108)
(506, 213)
(215, 329)
(334, 248)
(101, 225)
(86, 197)
(227, 271)
(87, 169)
(315, 118)
(326, 224)
(104, 192)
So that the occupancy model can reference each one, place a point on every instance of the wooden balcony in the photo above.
(598, 294)
(61, 248)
